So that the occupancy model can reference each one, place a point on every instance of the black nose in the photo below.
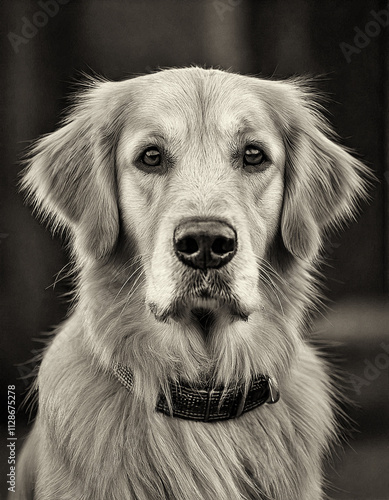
(205, 244)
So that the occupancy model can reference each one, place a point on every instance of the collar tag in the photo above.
(274, 393)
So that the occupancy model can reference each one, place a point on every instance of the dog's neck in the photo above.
(207, 402)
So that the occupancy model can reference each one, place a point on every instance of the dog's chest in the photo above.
(117, 446)
(254, 456)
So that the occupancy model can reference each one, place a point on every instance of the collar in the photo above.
(206, 403)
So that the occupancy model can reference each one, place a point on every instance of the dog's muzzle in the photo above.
(205, 243)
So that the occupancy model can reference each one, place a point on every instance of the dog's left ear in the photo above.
(323, 182)
(70, 177)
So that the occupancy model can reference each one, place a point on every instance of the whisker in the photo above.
(58, 277)
(134, 259)
(271, 269)
(138, 269)
(134, 288)
(274, 288)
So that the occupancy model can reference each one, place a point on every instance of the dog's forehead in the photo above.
(178, 100)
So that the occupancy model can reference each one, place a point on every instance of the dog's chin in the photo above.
(204, 319)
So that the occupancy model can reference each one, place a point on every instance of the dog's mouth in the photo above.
(202, 311)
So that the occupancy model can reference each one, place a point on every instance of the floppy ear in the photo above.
(323, 182)
(70, 176)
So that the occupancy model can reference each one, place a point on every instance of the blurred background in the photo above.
(46, 47)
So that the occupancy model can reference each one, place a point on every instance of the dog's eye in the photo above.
(151, 157)
(253, 156)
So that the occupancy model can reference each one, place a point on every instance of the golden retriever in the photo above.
(196, 202)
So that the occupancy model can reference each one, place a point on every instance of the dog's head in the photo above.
(209, 174)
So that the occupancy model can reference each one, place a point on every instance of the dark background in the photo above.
(118, 39)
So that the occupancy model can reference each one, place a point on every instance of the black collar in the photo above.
(208, 403)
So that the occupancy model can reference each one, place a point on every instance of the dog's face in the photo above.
(222, 186)
(200, 171)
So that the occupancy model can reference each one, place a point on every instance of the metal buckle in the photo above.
(274, 393)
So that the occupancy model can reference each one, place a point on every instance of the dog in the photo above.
(196, 203)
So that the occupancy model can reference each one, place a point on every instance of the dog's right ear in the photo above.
(70, 177)
(324, 183)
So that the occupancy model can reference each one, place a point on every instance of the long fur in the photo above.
(93, 439)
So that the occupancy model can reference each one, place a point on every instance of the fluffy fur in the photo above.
(135, 300)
